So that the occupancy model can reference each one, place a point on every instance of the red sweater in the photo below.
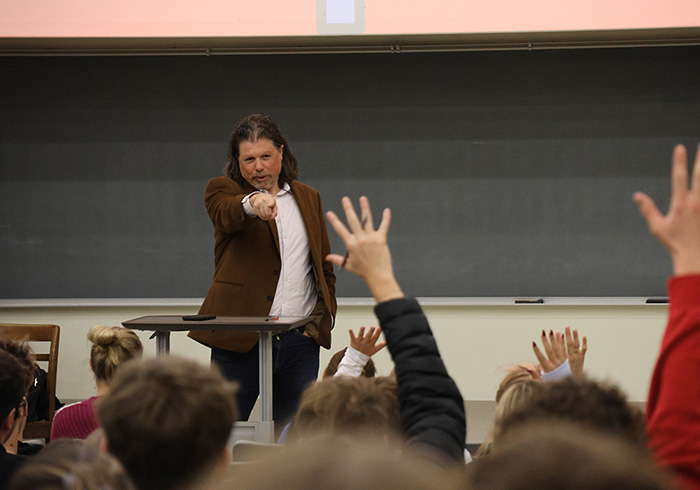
(673, 409)
(75, 421)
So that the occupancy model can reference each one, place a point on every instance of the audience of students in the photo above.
(111, 346)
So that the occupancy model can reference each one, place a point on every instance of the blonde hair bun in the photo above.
(111, 346)
(102, 335)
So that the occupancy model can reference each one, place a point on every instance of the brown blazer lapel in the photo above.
(307, 214)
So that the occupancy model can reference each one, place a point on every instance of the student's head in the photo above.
(552, 455)
(15, 379)
(167, 420)
(111, 346)
(369, 371)
(253, 128)
(516, 394)
(586, 402)
(520, 373)
(23, 353)
(343, 463)
(71, 464)
(348, 405)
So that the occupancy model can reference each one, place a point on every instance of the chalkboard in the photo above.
(508, 173)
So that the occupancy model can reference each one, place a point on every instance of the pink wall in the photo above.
(184, 18)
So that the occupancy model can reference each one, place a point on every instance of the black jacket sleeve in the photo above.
(432, 407)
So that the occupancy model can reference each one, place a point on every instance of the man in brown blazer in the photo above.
(269, 256)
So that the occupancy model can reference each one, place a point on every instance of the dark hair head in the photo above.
(252, 128)
(71, 463)
(551, 455)
(369, 371)
(15, 378)
(583, 401)
(167, 420)
(24, 354)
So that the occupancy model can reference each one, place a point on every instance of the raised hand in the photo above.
(679, 229)
(368, 253)
(367, 344)
(265, 206)
(554, 353)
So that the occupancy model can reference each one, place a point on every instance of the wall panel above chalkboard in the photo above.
(509, 173)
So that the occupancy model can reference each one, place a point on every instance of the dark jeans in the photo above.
(294, 366)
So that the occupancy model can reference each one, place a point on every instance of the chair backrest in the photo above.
(44, 342)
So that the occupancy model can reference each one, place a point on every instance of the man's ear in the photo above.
(226, 457)
(103, 445)
(7, 426)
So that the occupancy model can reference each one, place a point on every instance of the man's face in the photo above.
(261, 163)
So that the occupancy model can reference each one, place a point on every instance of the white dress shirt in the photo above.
(296, 293)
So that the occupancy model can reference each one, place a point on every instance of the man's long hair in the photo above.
(252, 128)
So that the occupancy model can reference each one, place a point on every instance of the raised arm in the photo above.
(222, 200)
(673, 416)
(361, 349)
(432, 407)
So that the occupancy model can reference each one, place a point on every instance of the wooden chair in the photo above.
(47, 352)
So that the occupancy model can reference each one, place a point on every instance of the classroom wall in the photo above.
(76, 132)
(476, 341)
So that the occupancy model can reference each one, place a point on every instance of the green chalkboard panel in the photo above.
(508, 173)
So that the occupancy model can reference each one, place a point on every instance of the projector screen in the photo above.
(265, 18)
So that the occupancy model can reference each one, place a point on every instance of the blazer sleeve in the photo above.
(222, 200)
